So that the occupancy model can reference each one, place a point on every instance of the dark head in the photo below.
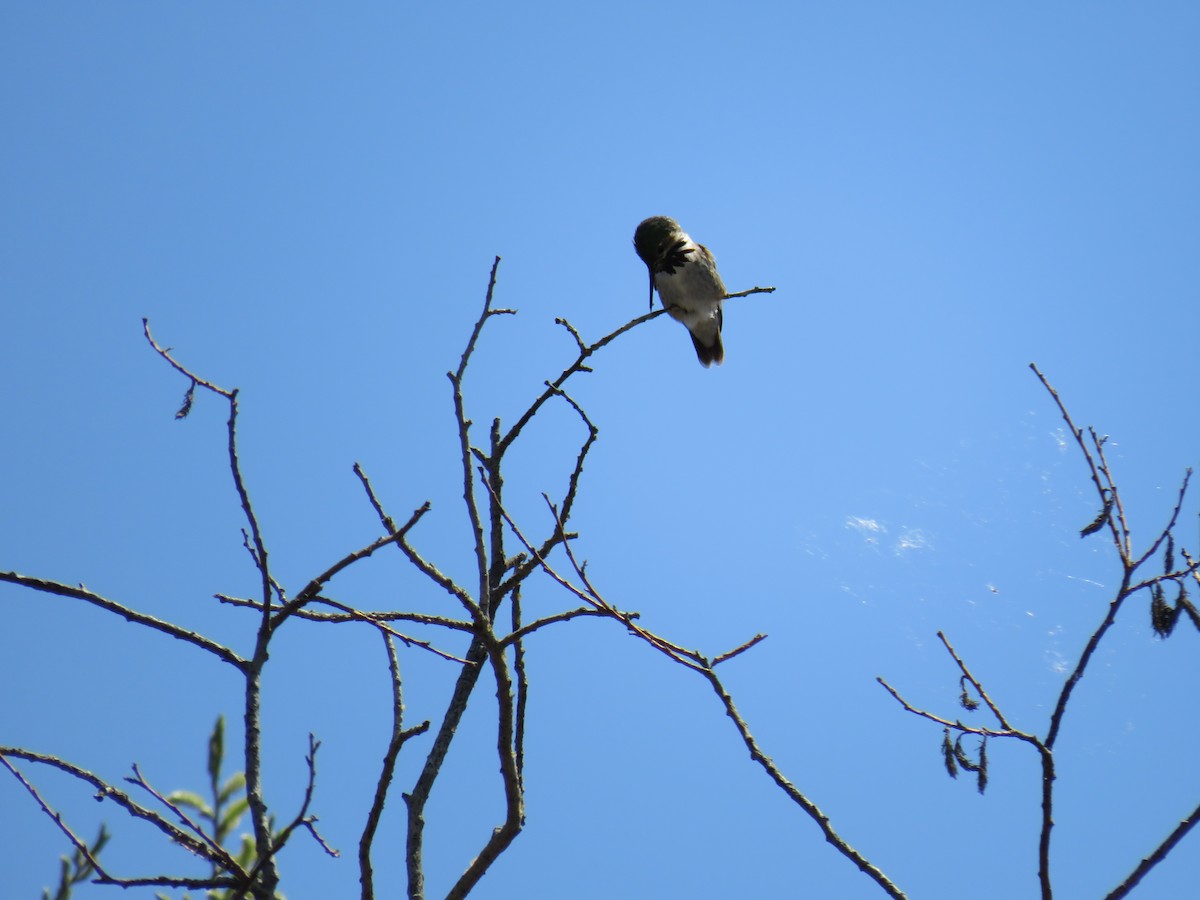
(652, 236)
(651, 240)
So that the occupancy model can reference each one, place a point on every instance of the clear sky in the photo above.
(306, 199)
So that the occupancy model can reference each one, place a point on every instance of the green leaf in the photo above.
(236, 782)
(192, 799)
(64, 881)
(246, 854)
(233, 815)
(101, 840)
(216, 750)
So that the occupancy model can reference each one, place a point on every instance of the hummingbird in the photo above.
(688, 283)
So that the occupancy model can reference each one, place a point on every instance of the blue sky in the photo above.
(305, 200)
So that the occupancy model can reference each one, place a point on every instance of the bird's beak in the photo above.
(651, 273)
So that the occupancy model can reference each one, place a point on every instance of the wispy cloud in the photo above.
(874, 532)
(869, 529)
(911, 539)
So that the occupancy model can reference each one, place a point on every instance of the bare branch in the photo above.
(586, 350)
(1170, 526)
(408, 641)
(109, 792)
(313, 588)
(302, 817)
(55, 816)
(558, 535)
(814, 812)
(566, 616)
(487, 313)
(953, 724)
(219, 851)
(388, 524)
(81, 593)
(975, 682)
(419, 797)
(514, 794)
(443, 581)
(1104, 486)
(395, 743)
(199, 884)
(253, 670)
(574, 332)
(1157, 856)
(1085, 657)
(165, 353)
(464, 441)
(753, 290)
(522, 683)
(591, 597)
(1124, 546)
(568, 500)
(737, 651)
(553, 387)
(355, 615)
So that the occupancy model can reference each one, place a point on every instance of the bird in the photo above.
(687, 280)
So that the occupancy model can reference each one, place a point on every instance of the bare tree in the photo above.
(1177, 571)
(505, 554)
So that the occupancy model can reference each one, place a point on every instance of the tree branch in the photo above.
(108, 791)
(81, 593)
(387, 771)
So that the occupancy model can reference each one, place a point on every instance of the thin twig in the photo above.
(388, 524)
(1102, 488)
(962, 666)
(567, 504)
(552, 388)
(165, 353)
(303, 819)
(80, 593)
(464, 441)
(1170, 526)
(313, 588)
(590, 596)
(737, 651)
(253, 671)
(522, 682)
(56, 817)
(514, 794)
(408, 641)
(265, 862)
(955, 724)
(104, 790)
(387, 771)
(566, 616)
(814, 812)
(419, 797)
(227, 861)
(374, 615)
(1125, 540)
(753, 290)
(1157, 856)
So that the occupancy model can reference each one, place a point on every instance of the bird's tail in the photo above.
(710, 353)
(706, 338)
